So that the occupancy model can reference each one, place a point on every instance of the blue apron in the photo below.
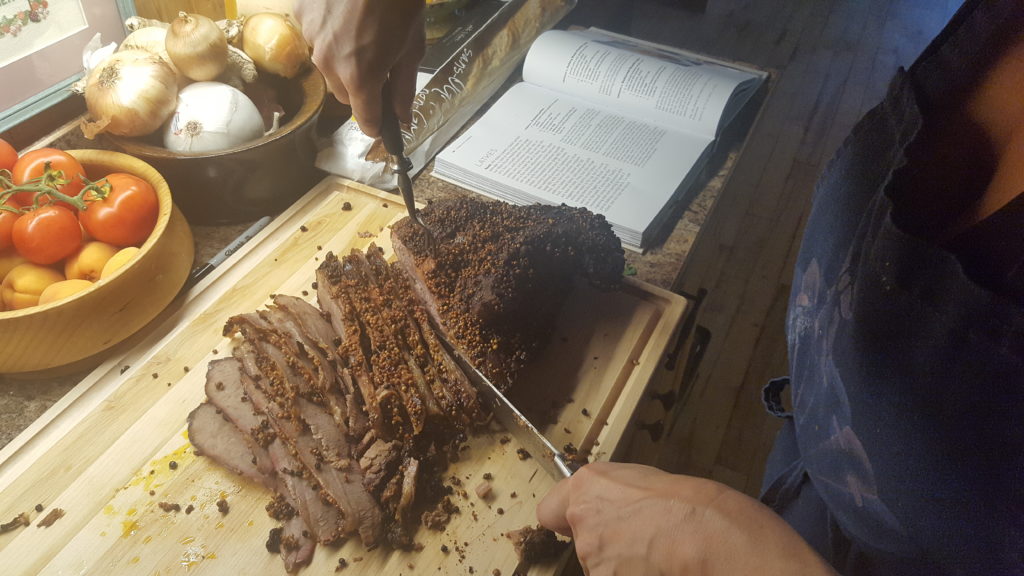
(904, 450)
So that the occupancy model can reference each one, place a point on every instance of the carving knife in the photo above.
(554, 461)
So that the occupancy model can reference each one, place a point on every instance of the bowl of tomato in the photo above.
(92, 248)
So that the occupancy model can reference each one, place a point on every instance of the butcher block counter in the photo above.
(108, 446)
(22, 399)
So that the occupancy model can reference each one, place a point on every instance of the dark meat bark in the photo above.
(535, 544)
(498, 274)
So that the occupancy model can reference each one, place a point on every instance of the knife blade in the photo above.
(552, 460)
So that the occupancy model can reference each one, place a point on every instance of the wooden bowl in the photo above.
(65, 332)
(255, 179)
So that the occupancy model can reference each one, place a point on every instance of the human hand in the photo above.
(358, 44)
(638, 520)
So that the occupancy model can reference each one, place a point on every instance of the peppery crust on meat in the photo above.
(497, 274)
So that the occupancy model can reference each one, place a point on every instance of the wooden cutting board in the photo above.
(116, 447)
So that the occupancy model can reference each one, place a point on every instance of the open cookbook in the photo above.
(620, 126)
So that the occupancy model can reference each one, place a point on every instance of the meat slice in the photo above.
(341, 483)
(217, 437)
(296, 546)
(450, 387)
(323, 520)
(497, 274)
(354, 347)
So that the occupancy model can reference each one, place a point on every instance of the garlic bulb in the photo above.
(212, 116)
(197, 46)
(130, 93)
(240, 70)
(137, 22)
(152, 39)
(275, 44)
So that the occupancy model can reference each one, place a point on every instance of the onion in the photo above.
(152, 39)
(274, 44)
(197, 46)
(212, 116)
(130, 93)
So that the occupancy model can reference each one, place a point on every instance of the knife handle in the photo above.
(391, 131)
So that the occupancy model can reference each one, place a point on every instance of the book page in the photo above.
(536, 145)
(663, 86)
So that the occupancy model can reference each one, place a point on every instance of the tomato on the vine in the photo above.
(124, 214)
(33, 164)
(8, 155)
(47, 234)
(7, 219)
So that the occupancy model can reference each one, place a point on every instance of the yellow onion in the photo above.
(197, 46)
(152, 39)
(130, 93)
(274, 44)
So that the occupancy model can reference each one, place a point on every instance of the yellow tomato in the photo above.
(9, 258)
(24, 283)
(117, 261)
(63, 289)
(87, 263)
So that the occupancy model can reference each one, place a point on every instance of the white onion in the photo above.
(212, 116)
(130, 93)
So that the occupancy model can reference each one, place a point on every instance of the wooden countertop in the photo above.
(23, 399)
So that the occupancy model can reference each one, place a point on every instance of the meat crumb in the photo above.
(169, 507)
(483, 490)
(189, 509)
(495, 572)
(504, 440)
(15, 523)
(274, 540)
(522, 453)
(53, 516)
(535, 544)
(222, 506)
(438, 518)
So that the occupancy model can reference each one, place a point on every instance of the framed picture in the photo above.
(41, 43)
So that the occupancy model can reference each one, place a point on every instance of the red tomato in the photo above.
(32, 164)
(7, 219)
(47, 234)
(126, 215)
(8, 155)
